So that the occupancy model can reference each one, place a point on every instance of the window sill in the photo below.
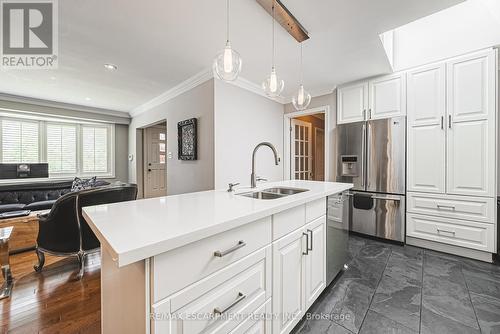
(54, 178)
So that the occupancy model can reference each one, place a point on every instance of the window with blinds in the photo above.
(94, 149)
(20, 141)
(61, 148)
(70, 149)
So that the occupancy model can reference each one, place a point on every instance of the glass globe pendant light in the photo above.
(273, 85)
(302, 98)
(227, 63)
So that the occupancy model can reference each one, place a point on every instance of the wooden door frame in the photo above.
(315, 134)
(287, 119)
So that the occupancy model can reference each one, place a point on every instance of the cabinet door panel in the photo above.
(470, 159)
(471, 125)
(471, 90)
(288, 271)
(387, 97)
(426, 134)
(352, 103)
(315, 261)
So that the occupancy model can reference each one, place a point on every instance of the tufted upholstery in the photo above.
(33, 196)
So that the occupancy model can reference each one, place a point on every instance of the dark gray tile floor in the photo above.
(396, 289)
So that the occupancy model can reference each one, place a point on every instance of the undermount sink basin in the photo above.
(273, 193)
(284, 191)
(261, 195)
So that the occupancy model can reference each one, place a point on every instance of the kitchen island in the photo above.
(213, 261)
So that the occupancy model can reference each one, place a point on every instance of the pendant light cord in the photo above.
(227, 21)
(273, 52)
(301, 66)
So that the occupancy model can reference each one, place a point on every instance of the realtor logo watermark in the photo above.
(29, 37)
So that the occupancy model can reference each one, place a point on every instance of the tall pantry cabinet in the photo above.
(451, 139)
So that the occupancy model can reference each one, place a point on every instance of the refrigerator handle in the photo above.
(368, 139)
(363, 143)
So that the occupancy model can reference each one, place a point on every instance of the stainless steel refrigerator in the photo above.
(372, 156)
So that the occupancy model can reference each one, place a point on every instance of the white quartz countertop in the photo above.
(136, 230)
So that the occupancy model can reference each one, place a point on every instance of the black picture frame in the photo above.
(187, 139)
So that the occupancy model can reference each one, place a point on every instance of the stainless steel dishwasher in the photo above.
(337, 235)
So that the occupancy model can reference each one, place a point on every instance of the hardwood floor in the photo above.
(52, 301)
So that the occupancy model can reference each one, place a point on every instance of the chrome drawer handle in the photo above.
(451, 232)
(241, 296)
(311, 234)
(440, 206)
(240, 244)
(307, 243)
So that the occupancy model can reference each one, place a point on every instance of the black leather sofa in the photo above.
(34, 196)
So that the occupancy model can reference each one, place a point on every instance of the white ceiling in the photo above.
(157, 44)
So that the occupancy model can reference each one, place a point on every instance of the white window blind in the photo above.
(61, 148)
(95, 149)
(20, 141)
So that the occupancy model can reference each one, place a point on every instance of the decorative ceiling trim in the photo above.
(315, 93)
(194, 81)
(62, 105)
(254, 88)
(175, 91)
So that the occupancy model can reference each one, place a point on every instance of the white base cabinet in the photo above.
(299, 273)
(261, 284)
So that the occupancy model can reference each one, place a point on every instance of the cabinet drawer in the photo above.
(288, 221)
(256, 324)
(218, 303)
(176, 269)
(451, 231)
(315, 209)
(460, 207)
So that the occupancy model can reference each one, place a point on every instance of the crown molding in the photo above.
(62, 105)
(315, 93)
(254, 88)
(175, 91)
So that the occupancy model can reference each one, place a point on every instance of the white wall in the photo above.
(242, 120)
(469, 26)
(320, 101)
(182, 176)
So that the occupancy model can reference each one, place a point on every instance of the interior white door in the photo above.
(301, 155)
(471, 124)
(426, 154)
(387, 97)
(315, 261)
(155, 161)
(352, 102)
(288, 275)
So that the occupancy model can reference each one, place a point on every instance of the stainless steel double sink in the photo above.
(273, 193)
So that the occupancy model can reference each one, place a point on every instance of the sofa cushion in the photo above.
(42, 205)
(11, 207)
(79, 184)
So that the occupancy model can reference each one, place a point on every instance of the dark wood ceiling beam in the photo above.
(286, 19)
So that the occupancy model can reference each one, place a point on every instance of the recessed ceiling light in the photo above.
(110, 66)
(88, 99)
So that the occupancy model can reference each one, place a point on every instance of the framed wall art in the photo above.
(187, 139)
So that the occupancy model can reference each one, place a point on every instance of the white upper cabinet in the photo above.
(378, 98)
(352, 102)
(471, 124)
(387, 96)
(426, 129)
